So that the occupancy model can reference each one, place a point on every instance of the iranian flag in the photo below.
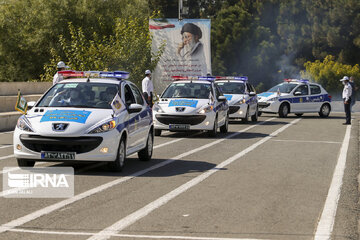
(160, 24)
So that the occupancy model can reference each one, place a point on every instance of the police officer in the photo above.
(148, 87)
(346, 95)
(60, 67)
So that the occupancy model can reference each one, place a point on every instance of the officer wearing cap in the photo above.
(190, 45)
(60, 67)
(346, 95)
(148, 87)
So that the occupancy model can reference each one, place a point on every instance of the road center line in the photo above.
(41, 212)
(5, 157)
(6, 146)
(126, 235)
(144, 211)
(327, 219)
(300, 141)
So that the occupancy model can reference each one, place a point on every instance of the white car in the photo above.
(101, 117)
(297, 96)
(191, 103)
(241, 95)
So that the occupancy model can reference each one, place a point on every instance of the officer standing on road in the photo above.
(346, 95)
(148, 87)
(60, 67)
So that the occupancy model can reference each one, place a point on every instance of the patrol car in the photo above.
(191, 103)
(96, 116)
(241, 95)
(297, 96)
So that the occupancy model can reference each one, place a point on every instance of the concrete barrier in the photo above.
(26, 88)
(8, 102)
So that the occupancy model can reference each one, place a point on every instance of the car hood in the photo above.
(183, 105)
(77, 121)
(234, 98)
(265, 96)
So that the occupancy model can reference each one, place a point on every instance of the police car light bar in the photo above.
(241, 78)
(296, 80)
(210, 78)
(115, 74)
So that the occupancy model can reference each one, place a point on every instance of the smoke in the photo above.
(286, 69)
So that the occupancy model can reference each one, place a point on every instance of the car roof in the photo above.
(193, 81)
(91, 80)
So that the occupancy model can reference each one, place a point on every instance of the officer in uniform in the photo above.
(346, 95)
(60, 67)
(148, 87)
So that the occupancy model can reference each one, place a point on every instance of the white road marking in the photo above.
(8, 156)
(41, 212)
(327, 219)
(17, 168)
(11, 191)
(126, 235)
(144, 211)
(300, 141)
(7, 146)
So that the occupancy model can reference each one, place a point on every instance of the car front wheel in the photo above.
(146, 153)
(157, 132)
(284, 110)
(254, 117)
(212, 133)
(224, 128)
(119, 162)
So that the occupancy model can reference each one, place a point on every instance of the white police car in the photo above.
(101, 117)
(191, 103)
(241, 96)
(297, 96)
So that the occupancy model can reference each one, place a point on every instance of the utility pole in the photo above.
(180, 9)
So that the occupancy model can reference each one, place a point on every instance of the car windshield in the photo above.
(188, 90)
(283, 87)
(231, 87)
(81, 95)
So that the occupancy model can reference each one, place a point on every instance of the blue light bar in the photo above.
(115, 74)
(240, 78)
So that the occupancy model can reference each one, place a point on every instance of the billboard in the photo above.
(187, 49)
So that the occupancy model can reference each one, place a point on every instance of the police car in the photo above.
(191, 103)
(96, 116)
(297, 96)
(241, 95)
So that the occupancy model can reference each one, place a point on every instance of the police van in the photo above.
(88, 116)
(297, 96)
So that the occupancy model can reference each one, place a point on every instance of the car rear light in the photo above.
(330, 96)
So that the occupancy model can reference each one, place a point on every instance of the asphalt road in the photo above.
(290, 178)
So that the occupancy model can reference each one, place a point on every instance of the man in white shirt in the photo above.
(60, 67)
(148, 87)
(346, 95)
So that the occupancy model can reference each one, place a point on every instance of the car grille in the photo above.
(183, 119)
(233, 109)
(69, 144)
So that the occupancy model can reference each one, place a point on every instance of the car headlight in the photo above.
(206, 109)
(157, 108)
(273, 99)
(23, 124)
(105, 127)
(243, 100)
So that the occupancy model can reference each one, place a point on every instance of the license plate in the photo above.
(179, 126)
(58, 155)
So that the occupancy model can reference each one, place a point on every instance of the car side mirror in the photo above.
(297, 93)
(30, 105)
(134, 108)
(222, 98)
(251, 94)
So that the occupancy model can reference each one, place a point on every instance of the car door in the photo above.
(144, 117)
(316, 99)
(129, 99)
(301, 99)
(252, 99)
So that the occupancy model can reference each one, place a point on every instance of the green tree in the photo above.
(129, 49)
(329, 72)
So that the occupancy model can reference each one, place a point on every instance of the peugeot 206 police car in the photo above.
(241, 96)
(191, 103)
(297, 96)
(96, 116)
